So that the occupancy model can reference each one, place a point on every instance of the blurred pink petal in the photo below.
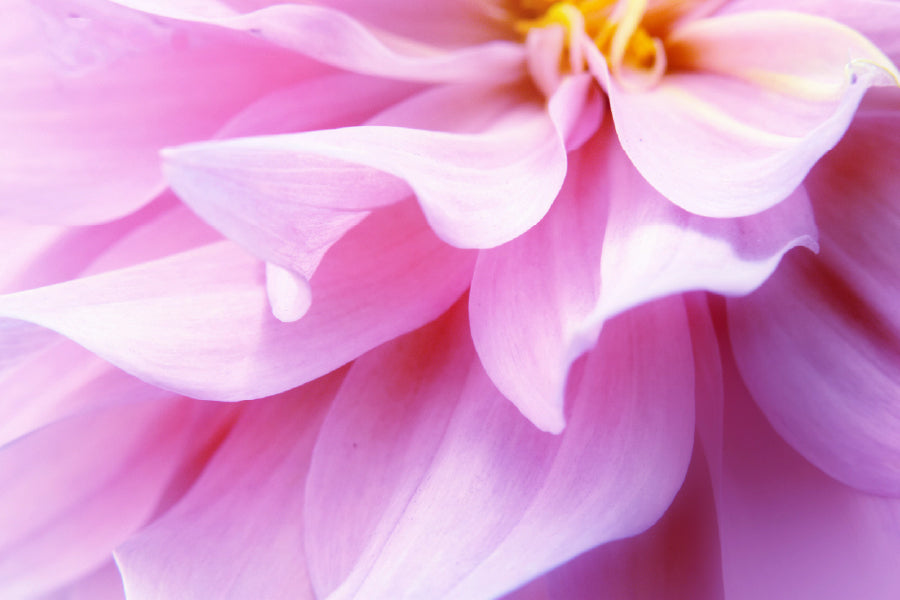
(88, 482)
(92, 92)
(337, 39)
(831, 389)
(239, 532)
(788, 530)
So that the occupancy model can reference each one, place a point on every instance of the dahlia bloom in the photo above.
(356, 299)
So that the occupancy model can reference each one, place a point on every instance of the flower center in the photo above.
(614, 27)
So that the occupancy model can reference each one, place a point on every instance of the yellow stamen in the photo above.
(614, 26)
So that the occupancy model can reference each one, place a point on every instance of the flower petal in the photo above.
(831, 387)
(418, 430)
(790, 531)
(92, 91)
(198, 322)
(476, 189)
(678, 558)
(875, 19)
(76, 488)
(537, 302)
(289, 214)
(757, 120)
(238, 532)
(338, 39)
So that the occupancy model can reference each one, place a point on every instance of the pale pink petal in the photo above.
(198, 322)
(238, 533)
(476, 189)
(287, 213)
(59, 381)
(790, 531)
(55, 254)
(76, 488)
(103, 584)
(679, 558)
(819, 344)
(338, 39)
(653, 248)
(875, 19)
(537, 302)
(92, 91)
(443, 22)
(756, 120)
(531, 297)
(418, 430)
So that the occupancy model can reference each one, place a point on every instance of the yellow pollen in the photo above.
(614, 26)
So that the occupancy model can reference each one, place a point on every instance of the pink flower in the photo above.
(440, 217)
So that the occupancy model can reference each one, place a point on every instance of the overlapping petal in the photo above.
(757, 120)
(434, 437)
(790, 531)
(476, 189)
(610, 243)
(336, 38)
(92, 91)
(238, 533)
(76, 488)
(390, 275)
(832, 388)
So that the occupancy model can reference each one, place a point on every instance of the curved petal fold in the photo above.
(757, 120)
(811, 536)
(340, 40)
(418, 430)
(92, 91)
(198, 322)
(238, 533)
(476, 189)
(678, 558)
(609, 243)
(75, 489)
(832, 384)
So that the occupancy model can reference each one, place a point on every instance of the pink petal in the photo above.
(418, 430)
(92, 91)
(239, 531)
(531, 298)
(198, 322)
(678, 558)
(653, 248)
(757, 121)
(476, 189)
(338, 39)
(443, 22)
(103, 584)
(790, 531)
(76, 488)
(875, 19)
(537, 302)
(288, 213)
(831, 384)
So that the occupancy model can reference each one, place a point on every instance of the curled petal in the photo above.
(435, 437)
(386, 277)
(832, 385)
(238, 532)
(757, 121)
